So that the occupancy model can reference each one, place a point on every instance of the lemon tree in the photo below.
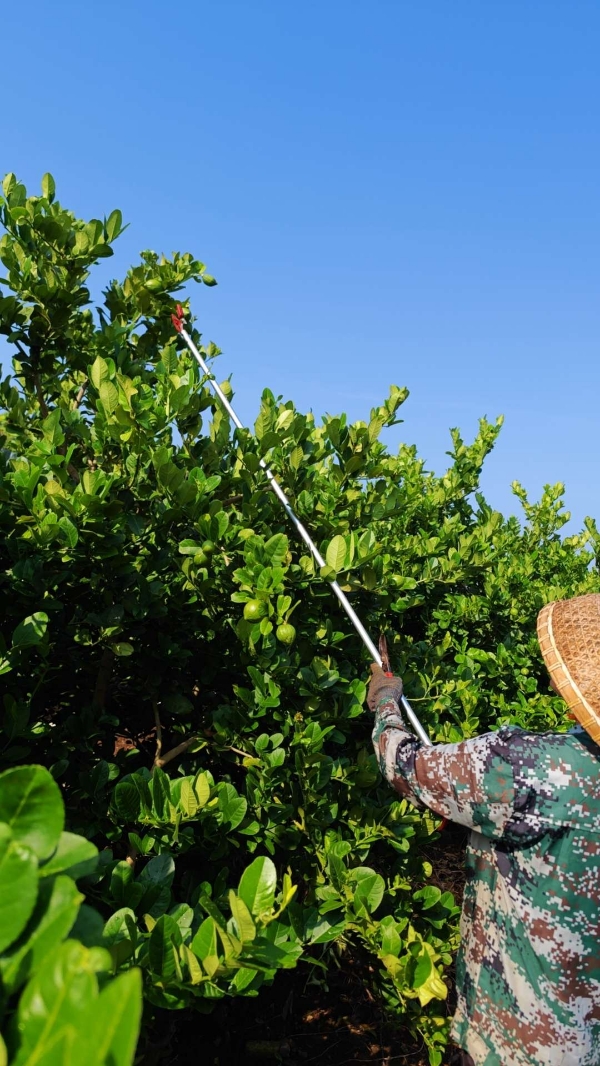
(172, 657)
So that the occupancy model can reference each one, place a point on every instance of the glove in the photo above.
(382, 686)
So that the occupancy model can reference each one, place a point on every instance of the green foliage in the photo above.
(59, 1004)
(174, 659)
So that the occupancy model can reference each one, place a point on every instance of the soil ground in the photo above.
(298, 1024)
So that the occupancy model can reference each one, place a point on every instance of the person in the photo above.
(528, 968)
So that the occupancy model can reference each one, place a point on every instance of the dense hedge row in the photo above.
(170, 654)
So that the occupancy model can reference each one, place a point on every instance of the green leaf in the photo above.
(58, 997)
(336, 553)
(165, 940)
(204, 945)
(432, 988)
(31, 804)
(296, 457)
(120, 879)
(161, 794)
(175, 703)
(69, 534)
(88, 927)
(258, 885)
(202, 789)
(53, 916)
(160, 870)
(48, 187)
(53, 433)
(327, 573)
(430, 895)
(18, 886)
(369, 889)
(118, 926)
(122, 649)
(243, 918)
(90, 481)
(74, 855)
(194, 967)
(114, 225)
(8, 182)
(326, 928)
(188, 802)
(189, 547)
(213, 911)
(423, 969)
(140, 844)
(31, 631)
(109, 397)
(116, 1020)
(284, 420)
(232, 807)
(57, 1050)
(99, 372)
(128, 801)
(183, 914)
(390, 936)
(277, 548)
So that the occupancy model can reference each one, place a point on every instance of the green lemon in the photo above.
(286, 633)
(200, 559)
(254, 610)
(208, 547)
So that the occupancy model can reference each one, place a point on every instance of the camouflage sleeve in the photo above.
(471, 783)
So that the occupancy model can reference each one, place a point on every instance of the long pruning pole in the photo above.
(178, 322)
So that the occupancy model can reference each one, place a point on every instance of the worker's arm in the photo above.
(472, 782)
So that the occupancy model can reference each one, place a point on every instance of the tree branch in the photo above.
(158, 751)
(174, 752)
(103, 680)
(80, 395)
(35, 355)
(40, 395)
(238, 751)
(71, 470)
(36, 382)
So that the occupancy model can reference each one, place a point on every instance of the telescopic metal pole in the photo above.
(178, 321)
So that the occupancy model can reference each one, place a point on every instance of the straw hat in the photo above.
(569, 636)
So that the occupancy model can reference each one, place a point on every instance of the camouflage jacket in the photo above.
(528, 970)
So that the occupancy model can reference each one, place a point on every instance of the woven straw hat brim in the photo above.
(569, 636)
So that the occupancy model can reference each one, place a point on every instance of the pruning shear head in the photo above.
(385, 659)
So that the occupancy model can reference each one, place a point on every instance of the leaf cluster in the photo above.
(60, 1004)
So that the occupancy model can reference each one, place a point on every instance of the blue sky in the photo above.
(398, 191)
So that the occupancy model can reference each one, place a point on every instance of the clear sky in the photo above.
(401, 191)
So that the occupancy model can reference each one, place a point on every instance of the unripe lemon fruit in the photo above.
(286, 633)
(254, 610)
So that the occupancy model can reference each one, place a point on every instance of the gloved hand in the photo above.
(381, 686)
